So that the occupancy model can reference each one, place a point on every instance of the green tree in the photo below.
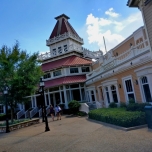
(21, 72)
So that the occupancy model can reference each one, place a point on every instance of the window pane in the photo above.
(74, 70)
(147, 93)
(131, 96)
(57, 73)
(114, 94)
(108, 98)
(85, 69)
(128, 86)
(74, 86)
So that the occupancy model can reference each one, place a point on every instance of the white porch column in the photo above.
(35, 101)
(65, 97)
(80, 92)
(32, 101)
(60, 97)
(110, 94)
(54, 100)
(49, 98)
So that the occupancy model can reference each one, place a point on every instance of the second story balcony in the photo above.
(111, 64)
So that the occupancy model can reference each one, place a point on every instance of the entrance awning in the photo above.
(65, 80)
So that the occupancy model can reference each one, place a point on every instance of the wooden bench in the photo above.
(20, 125)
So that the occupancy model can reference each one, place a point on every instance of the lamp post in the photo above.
(43, 107)
(5, 92)
(40, 91)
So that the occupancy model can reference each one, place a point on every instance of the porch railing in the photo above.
(40, 112)
(20, 113)
(98, 105)
(27, 114)
(33, 112)
(84, 107)
(48, 110)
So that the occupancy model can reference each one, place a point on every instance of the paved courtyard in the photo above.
(74, 134)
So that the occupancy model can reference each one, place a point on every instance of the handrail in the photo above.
(48, 110)
(20, 113)
(33, 112)
(98, 105)
(27, 114)
(84, 107)
(40, 112)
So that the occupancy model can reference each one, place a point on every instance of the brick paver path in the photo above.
(74, 134)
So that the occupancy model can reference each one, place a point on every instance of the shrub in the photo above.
(136, 107)
(131, 101)
(74, 106)
(118, 116)
(81, 113)
(112, 105)
(123, 105)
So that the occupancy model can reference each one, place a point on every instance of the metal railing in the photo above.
(27, 114)
(20, 113)
(48, 110)
(40, 112)
(33, 112)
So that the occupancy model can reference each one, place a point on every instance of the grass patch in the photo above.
(118, 116)
(14, 122)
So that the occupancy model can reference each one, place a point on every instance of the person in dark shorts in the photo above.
(52, 112)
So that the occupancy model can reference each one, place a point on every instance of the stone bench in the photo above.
(20, 125)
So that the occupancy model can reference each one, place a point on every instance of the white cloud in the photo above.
(111, 13)
(114, 30)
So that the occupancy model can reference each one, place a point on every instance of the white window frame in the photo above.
(124, 87)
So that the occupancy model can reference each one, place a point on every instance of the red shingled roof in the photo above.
(62, 27)
(65, 80)
(68, 61)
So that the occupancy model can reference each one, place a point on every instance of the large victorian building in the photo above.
(124, 73)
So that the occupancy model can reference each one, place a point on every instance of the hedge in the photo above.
(118, 116)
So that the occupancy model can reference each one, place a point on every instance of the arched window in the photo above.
(107, 94)
(146, 90)
(114, 94)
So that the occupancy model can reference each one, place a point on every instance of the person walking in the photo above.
(58, 112)
(52, 112)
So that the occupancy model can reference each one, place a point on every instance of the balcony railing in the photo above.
(62, 37)
(111, 62)
(71, 48)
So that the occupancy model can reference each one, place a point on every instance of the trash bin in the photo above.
(148, 111)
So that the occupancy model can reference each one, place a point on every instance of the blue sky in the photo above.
(32, 21)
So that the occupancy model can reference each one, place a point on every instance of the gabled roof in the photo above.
(65, 80)
(68, 61)
(62, 26)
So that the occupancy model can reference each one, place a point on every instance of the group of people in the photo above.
(55, 112)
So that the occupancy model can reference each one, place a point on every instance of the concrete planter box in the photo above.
(20, 125)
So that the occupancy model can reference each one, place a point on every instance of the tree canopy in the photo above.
(20, 71)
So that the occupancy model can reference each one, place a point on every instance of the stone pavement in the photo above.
(75, 134)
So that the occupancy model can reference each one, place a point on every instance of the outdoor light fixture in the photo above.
(5, 90)
(43, 104)
(119, 85)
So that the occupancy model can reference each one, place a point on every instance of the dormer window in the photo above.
(54, 51)
(59, 50)
(65, 48)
